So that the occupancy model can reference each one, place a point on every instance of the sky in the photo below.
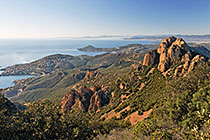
(75, 18)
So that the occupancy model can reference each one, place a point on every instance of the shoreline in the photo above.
(11, 81)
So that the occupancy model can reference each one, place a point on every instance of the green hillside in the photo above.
(161, 94)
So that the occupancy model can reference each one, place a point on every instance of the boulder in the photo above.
(122, 85)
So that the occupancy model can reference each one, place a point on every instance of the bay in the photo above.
(24, 51)
(8, 81)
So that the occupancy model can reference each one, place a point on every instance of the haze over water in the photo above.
(22, 51)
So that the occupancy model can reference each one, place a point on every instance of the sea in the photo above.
(19, 51)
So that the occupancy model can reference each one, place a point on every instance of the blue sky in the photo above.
(74, 18)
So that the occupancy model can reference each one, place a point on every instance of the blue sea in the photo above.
(24, 51)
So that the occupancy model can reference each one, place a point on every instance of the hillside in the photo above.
(121, 49)
(60, 62)
(172, 74)
(54, 85)
(46, 65)
(6, 107)
(62, 77)
(202, 49)
(160, 94)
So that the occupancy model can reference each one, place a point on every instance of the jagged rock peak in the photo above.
(170, 51)
(165, 43)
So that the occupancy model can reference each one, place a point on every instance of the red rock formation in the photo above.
(85, 99)
(151, 58)
(97, 100)
(68, 100)
(170, 51)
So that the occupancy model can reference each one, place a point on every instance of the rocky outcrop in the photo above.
(123, 85)
(194, 61)
(68, 100)
(85, 99)
(170, 51)
(189, 65)
(98, 100)
(151, 58)
(91, 75)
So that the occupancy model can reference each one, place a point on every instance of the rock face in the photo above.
(85, 99)
(170, 51)
(151, 58)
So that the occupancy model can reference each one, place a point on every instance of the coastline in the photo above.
(91, 49)
(10, 81)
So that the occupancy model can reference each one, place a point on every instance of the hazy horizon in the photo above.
(69, 18)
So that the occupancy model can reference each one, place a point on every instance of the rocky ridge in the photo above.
(170, 51)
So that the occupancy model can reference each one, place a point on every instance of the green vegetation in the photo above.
(180, 105)
(185, 115)
(54, 85)
(44, 120)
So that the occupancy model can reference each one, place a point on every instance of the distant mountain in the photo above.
(121, 49)
(201, 50)
(188, 38)
(109, 37)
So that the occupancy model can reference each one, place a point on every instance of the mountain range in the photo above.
(188, 38)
